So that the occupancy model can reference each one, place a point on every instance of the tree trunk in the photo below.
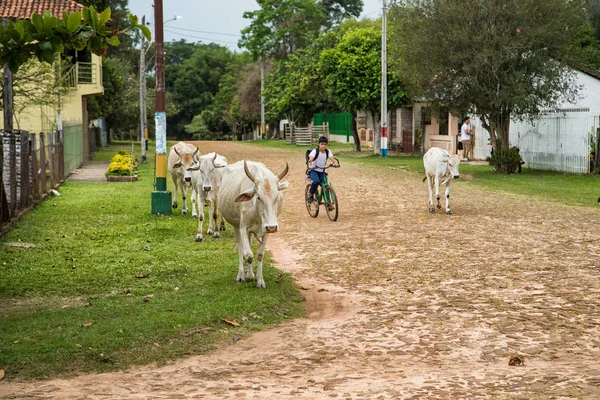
(376, 132)
(355, 132)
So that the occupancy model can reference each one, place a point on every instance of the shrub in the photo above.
(122, 164)
(505, 161)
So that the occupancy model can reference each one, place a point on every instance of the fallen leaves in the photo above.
(87, 324)
(142, 276)
(231, 321)
(516, 361)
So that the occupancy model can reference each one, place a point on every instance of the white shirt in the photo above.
(320, 161)
(464, 132)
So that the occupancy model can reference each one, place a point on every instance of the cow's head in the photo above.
(267, 191)
(186, 160)
(207, 168)
(453, 163)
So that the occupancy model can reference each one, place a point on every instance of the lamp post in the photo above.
(384, 116)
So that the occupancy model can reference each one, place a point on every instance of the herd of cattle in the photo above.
(248, 196)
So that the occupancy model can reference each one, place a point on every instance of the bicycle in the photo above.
(325, 195)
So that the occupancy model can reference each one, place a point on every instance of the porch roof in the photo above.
(24, 9)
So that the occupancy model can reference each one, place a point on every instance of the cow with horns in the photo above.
(206, 179)
(440, 168)
(250, 199)
(181, 157)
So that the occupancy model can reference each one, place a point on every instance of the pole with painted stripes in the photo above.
(384, 116)
(161, 198)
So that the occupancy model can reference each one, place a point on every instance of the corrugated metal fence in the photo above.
(559, 140)
(33, 165)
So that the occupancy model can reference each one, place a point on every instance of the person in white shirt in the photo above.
(465, 138)
(317, 161)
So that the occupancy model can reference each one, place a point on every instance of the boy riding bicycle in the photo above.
(317, 161)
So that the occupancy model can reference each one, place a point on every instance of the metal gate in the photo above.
(558, 140)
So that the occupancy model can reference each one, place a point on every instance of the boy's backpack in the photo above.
(317, 150)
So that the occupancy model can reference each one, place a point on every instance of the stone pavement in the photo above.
(92, 171)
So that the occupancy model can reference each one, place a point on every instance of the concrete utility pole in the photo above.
(143, 128)
(161, 198)
(262, 97)
(384, 116)
(7, 79)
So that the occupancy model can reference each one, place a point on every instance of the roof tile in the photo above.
(24, 9)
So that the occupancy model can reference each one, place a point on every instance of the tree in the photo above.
(352, 73)
(496, 59)
(46, 36)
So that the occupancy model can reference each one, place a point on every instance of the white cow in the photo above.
(206, 179)
(181, 157)
(440, 167)
(250, 199)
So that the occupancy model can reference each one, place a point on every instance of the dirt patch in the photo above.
(403, 304)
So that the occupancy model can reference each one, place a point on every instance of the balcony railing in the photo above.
(82, 73)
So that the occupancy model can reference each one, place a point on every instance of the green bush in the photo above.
(122, 164)
(505, 160)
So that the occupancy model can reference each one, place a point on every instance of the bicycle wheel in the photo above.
(331, 206)
(312, 207)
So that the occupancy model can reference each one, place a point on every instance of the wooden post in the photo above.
(51, 159)
(43, 161)
(35, 183)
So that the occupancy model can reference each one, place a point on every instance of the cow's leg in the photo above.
(176, 188)
(239, 239)
(222, 228)
(437, 190)
(248, 257)
(200, 218)
(430, 188)
(184, 209)
(214, 219)
(260, 281)
(195, 198)
(209, 205)
(448, 210)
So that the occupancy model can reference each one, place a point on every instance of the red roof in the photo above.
(24, 9)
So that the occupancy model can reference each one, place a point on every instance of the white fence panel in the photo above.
(558, 141)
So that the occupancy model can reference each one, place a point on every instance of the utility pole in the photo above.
(161, 198)
(384, 116)
(143, 128)
(262, 97)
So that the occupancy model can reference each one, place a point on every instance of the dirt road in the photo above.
(403, 304)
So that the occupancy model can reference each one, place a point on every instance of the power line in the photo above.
(212, 33)
(198, 37)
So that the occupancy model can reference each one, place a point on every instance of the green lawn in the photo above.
(110, 285)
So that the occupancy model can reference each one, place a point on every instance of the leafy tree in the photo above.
(496, 59)
(193, 80)
(120, 82)
(281, 27)
(46, 36)
(352, 73)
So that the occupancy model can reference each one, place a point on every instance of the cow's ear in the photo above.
(283, 186)
(245, 196)
(177, 165)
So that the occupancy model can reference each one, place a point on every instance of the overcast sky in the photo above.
(206, 21)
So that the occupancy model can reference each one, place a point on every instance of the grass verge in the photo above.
(108, 285)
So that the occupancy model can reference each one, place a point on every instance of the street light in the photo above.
(175, 17)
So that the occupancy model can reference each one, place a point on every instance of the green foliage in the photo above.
(122, 164)
(501, 59)
(505, 160)
(352, 72)
(104, 259)
(45, 36)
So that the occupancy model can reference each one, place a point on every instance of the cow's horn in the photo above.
(284, 172)
(214, 159)
(176, 152)
(197, 150)
(248, 171)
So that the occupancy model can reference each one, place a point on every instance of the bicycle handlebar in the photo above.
(330, 165)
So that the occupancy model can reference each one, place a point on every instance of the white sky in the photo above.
(206, 21)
